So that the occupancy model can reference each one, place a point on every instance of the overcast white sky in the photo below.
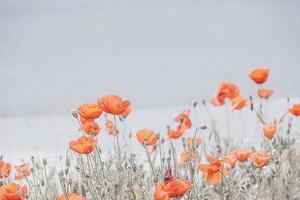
(56, 54)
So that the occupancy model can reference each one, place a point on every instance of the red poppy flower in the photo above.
(83, 145)
(260, 159)
(269, 130)
(22, 171)
(113, 104)
(160, 194)
(89, 111)
(13, 191)
(5, 169)
(259, 75)
(176, 187)
(264, 93)
(146, 135)
(91, 128)
(295, 110)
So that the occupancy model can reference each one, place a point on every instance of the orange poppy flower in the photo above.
(239, 103)
(187, 122)
(174, 134)
(242, 155)
(83, 145)
(260, 159)
(264, 93)
(259, 75)
(211, 159)
(71, 196)
(146, 135)
(5, 169)
(183, 114)
(183, 118)
(160, 194)
(269, 130)
(225, 90)
(22, 171)
(89, 111)
(83, 120)
(91, 128)
(214, 171)
(13, 191)
(113, 104)
(128, 109)
(295, 110)
(187, 156)
(176, 187)
(189, 142)
(217, 101)
(110, 127)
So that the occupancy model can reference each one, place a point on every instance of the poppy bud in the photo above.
(74, 113)
(183, 141)
(68, 163)
(67, 171)
(155, 179)
(60, 174)
(195, 103)
(169, 160)
(44, 161)
(203, 127)
(42, 182)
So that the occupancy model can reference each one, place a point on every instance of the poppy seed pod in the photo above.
(195, 103)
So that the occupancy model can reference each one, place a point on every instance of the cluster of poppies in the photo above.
(173, 187)
(13, 191)
(214, 171)
(89, 112)
(87, 115)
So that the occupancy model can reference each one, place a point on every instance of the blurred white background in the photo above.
(160, 54)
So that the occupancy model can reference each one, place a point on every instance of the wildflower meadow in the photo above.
(204, 165)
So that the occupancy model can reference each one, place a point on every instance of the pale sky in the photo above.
(56, 54)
